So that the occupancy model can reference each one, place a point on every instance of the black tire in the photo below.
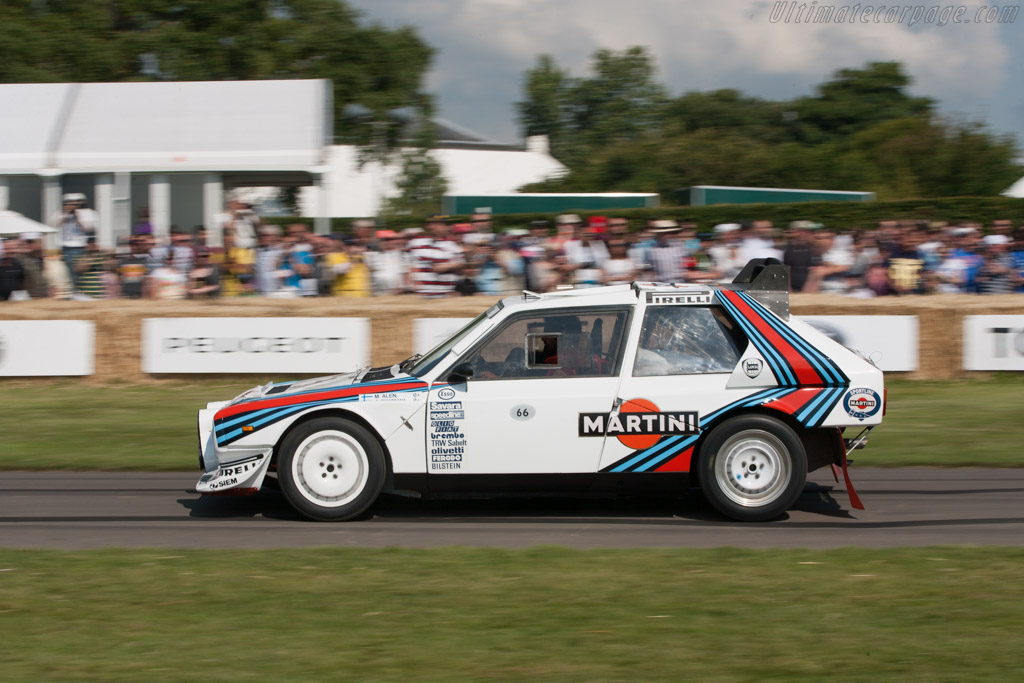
(752, 468)
(331, 469)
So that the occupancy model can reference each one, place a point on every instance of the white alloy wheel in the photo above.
(330, 468)
(753, 468)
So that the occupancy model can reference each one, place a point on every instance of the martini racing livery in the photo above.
(624, 389)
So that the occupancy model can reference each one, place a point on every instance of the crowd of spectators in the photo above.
(444, 259)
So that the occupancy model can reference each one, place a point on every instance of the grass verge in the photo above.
(68, 425)
(934, 614)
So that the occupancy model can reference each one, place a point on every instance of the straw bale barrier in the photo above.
(119, 326)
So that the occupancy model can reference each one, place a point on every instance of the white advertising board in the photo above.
(38, 348)
(429, 332)
(889, 341)
(255, 345)
(994, 342)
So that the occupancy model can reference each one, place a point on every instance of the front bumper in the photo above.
(233, 470)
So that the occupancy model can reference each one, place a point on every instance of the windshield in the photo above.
(431, 359)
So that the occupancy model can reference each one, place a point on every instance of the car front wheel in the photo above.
(331, 469)
(752, 468)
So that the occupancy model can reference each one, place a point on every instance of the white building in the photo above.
(173, 148)
(176, 148)
(470, 164)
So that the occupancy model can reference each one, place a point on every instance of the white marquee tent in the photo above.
(171, 147)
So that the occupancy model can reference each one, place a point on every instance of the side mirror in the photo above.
(460, 373)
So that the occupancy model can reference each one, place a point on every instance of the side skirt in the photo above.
(587, 484)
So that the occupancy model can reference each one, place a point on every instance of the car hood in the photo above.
(283, 389)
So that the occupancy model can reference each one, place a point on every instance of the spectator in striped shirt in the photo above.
(434, 260)
(668, 253)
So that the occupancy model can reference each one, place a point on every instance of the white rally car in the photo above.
(621, 389)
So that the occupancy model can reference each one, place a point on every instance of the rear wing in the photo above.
(767, 281)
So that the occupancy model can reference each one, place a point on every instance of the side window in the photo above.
(687, 340)
(553, 344)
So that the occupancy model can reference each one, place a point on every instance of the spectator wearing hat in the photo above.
(76, 223)
(667, 255)
(434, 260)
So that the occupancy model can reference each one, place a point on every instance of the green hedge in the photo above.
(838, 215)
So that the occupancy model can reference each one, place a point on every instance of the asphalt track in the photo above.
(904, 507)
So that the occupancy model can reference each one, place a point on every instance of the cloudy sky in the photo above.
(485, 46)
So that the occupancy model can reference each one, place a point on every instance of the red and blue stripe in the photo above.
(259, 413)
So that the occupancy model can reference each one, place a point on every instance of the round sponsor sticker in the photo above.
(862, 403)
(446, 394)
(752, 367)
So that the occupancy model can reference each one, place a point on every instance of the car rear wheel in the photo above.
(331, 469)
(752, 468)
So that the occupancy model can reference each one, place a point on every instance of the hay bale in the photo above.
(119, 322)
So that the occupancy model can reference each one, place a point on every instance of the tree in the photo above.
(857, 99)
(421, 183)
(621, 101)
(139, 40)
(861, 130)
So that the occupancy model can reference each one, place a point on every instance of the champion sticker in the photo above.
(862, 403)
(752, 367)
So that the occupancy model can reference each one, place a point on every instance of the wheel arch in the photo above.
(343, 414)
(785, 418)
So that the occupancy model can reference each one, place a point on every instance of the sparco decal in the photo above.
(252, 344)
(637, 424)
(862, 403)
